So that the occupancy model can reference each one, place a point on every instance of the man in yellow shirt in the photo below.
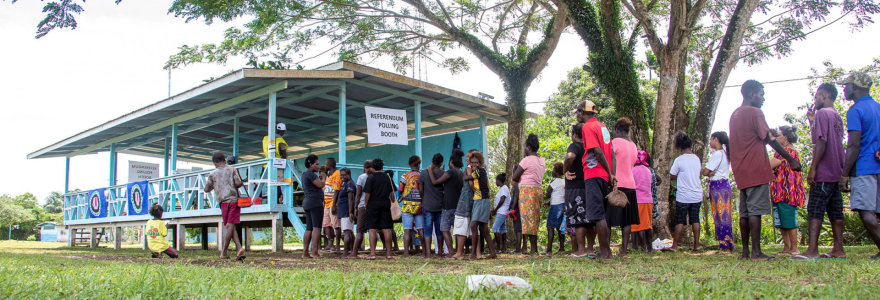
(280, 146)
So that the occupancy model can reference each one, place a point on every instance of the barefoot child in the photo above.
(224, 182)
(502, 208)
(411, 198)
(686, 172)
(156, 233)
(343, 207)
(556, 193)
(481, 206)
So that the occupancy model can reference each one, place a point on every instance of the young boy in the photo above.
(156, 233)
(343, 208)
(502, 208)
(224, 182)
(689, 195)
(556, 193)
(411, 197)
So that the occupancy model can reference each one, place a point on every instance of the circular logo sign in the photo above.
(95, 204)
(137, 199)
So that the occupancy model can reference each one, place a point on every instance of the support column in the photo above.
(204, 238)
(180, 237)
(245, 238)
(143, 236)
(93, 238)
(483, 135)
(342, 123)
(235, 137)
(71, 235)
(277, 235)
(66, 175)
(165, 157)
(220, 231)
(173, 158)
(418, 129)
(113, 164)
(117, 238)
(273, 172)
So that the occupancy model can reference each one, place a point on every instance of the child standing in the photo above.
(689, 195)
(156, 233)
(224, 181)
(411, 200)
(481, 207)
(502, 208)
(343, 207)
(556, 193)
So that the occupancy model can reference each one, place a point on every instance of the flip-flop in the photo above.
(240, 258)
(803, 258)
(767, 258)
(829, 256)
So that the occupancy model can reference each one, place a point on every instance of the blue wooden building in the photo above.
(324, 113)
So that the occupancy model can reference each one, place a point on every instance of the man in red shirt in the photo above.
(599, 170)
(749, 134)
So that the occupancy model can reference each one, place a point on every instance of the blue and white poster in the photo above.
(97, 204)
(138, 193)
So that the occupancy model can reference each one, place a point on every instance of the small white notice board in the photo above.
(386, 126)
(139, 171)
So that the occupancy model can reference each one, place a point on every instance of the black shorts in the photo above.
(379, 218)
(596, 189)
(825, 197)
(685, 212)
(314, 218)
(361, 220)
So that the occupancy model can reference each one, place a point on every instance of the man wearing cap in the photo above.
(280, 146)
(861, 167)
(599, 169)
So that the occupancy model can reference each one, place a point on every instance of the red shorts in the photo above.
(230, 213)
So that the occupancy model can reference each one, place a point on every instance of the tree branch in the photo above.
(640, 12)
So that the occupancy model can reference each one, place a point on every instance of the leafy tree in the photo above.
(54, 203)
(514, 39)
(12, 213)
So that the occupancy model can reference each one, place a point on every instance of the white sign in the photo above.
(140, 171)
(386, 126)
(279, 163)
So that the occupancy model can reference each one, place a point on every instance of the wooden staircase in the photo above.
(82, 237)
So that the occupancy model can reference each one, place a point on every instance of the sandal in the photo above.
(803, 258)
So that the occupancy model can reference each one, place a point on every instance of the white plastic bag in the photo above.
(475, 282)
(659, 244)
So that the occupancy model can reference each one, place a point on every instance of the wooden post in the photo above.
(180, 237)
(204, 237)
(220, 231)
(143, 236)
(117, 238)
(277, 235)
(71, 236)
(246, 243)
(93, 240)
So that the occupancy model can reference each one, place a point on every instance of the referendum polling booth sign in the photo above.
(138, 171)
(138, 195)
(386, 126)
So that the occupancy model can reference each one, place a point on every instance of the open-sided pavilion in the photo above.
(324, 113)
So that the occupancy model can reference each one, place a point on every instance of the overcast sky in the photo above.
(70, 81)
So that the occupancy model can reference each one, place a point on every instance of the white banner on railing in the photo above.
(386, 126)
(138, 171)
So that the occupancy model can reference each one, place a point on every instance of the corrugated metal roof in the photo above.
(307, 103)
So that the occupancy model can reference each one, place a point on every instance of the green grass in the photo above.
(51, 270)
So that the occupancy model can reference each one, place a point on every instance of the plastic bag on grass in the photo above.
(475, 282)
(659, 244)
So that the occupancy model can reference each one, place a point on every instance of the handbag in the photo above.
(242, 201)
(395, 207)
(617, 198)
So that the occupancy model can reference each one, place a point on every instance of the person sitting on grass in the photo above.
(156, 233)
(556, 193)
(502, 208)
(224, 182)
(686, 172)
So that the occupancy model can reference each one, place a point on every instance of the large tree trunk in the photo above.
(727, 58)
(663, 126)
(610, 62)
(516, 109)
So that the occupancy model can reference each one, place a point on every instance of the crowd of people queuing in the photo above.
(454, 206)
